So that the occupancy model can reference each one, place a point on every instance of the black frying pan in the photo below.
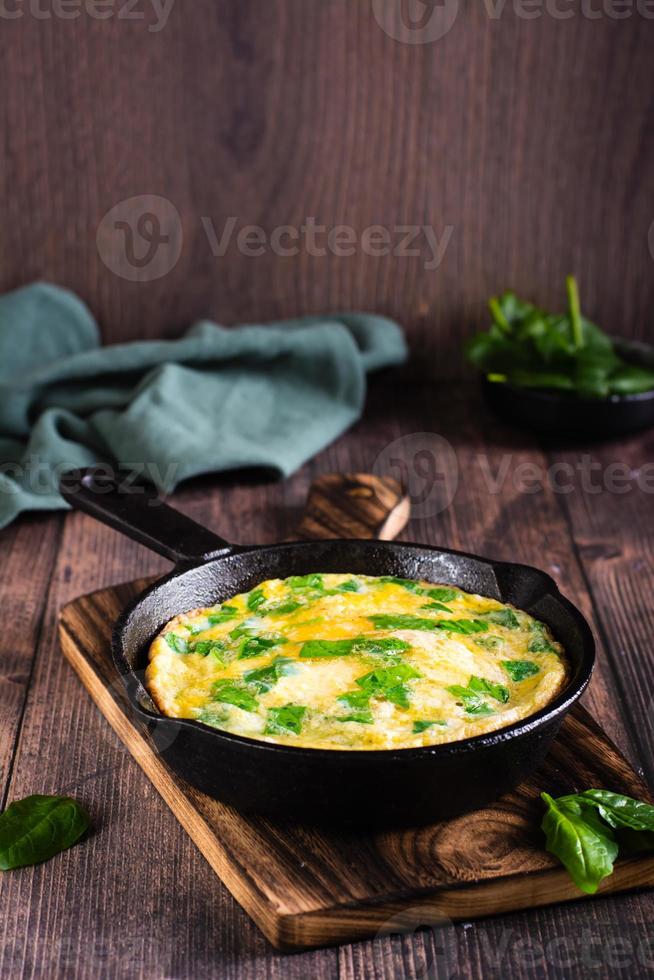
(380, 787)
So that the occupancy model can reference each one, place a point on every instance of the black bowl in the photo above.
(562, 413)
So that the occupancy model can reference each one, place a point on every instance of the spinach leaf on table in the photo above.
(36, 828)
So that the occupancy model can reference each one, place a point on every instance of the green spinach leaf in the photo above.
(177, 643)
(384, 621)
(470, 700)
(222, 615)
(503, 617)
(359, 704)
(518, 670)
(482, 686)
(442, 593)
(439, 593)
(422, 726)
(254, 646)
(215, 648)
(300, 583)
(618, 810)
(404, 583)
(387, 621)
(389, 683)
(249, 627)
(236, 693)
(255, 599)
(281, 608)
(36, 828)
(313, 649)
(385, 678)
(489, 642)
(263, 678)
(380, 646)
(579, 839)
(463, 626)
(529, 347)
(539, 644)
(286, 719)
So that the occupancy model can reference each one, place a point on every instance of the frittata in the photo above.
(342, 661)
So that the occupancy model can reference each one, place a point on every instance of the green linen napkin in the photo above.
(217, 399)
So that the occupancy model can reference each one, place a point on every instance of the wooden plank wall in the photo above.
(531, 139)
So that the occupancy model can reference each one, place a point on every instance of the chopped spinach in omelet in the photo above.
(355, 662)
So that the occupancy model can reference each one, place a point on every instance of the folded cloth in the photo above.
(217, 399)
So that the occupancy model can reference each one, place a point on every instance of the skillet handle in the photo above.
(136, 511)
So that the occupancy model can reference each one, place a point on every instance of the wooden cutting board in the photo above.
(306, 887)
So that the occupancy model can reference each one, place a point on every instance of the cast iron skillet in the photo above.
(337, 787)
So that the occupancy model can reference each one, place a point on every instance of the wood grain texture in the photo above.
(23, 610)
(346, 887)
(610, 516)
(355, 505)
(102, 908)
(306, 887)
(513, 132)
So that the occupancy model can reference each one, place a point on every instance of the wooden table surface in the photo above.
(136, 899)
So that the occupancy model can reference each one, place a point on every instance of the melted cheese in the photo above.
(251, 665)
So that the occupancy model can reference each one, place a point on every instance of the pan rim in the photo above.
(557, 708)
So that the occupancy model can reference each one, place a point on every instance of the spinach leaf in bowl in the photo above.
(530, 348)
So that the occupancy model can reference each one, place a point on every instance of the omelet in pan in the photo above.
(355, 662)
